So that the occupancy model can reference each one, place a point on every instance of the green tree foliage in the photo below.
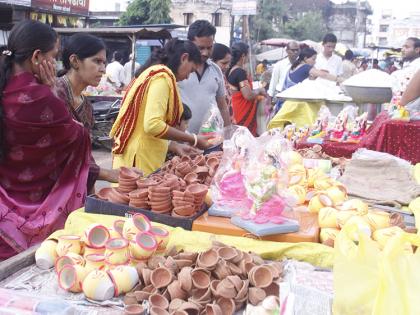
(310, 25)
(146, 12)
(268, 21)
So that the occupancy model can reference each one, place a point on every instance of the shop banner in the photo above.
(63, 6)
(244, 7)
(25, 3)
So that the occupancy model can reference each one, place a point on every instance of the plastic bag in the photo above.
(368, 281)
(213, 125)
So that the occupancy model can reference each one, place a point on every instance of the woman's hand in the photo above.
(47, 74)
(183, 149)
(109, 175)
(262, 92)
(203, 142)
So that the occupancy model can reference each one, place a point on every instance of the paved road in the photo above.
(104, 159)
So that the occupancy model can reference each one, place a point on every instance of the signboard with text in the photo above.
(244, 7)
(25, 3)
(63, 6)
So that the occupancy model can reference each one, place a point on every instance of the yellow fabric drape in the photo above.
(313, 253)
(296, 112)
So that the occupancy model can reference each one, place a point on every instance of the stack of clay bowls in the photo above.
(139, 198)
(218, 281)
(160, 199)
(199, 192)
(127, 179)
(183, 203)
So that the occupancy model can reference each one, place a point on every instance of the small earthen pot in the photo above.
(175, 305)
(201, 295)
(142, 295)
(272, 289)
(161, 277)
(96, 235)
(239, 257)
(179, 313)
(208, 259)
(98, 286)
(260, 276)
(146, 275)
(222, 270)
(176, 292)
(200, 278)
(130, 298)
(181, 263)
(154, 261)
(226, 289)
(234, 269)
(185, 211)
(118, 197)
(236, 281)
(191, 178)
(227, 253)
(104, 193)
(154, 310)
(213, 286)
(162, 237)
(184, 277)
(197, 189)
(243, 291)
(256, 295)
(214, 309)
(117, 251)
(159, 301)
(227, 305)
(134, 309)
(68, 244)
(190, 308)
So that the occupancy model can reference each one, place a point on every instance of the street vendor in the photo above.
(44, 152)
(152, 109)
(84, 59)
(205, 86)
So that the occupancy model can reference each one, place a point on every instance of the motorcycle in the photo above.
(104, 113)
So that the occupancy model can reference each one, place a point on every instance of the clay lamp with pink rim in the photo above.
(116, 251)
(162, 236)
(96, 235)
(143, 246)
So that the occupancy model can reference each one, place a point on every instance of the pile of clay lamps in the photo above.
(218, 281)
(178, 189)
(102, 262)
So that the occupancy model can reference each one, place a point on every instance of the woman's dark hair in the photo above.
(348, 55)
(201, 28)
(83, 46)
(219, 52)
(170, 55)
(187, 114)
(238, 50)
(25, 37)
(305, 53)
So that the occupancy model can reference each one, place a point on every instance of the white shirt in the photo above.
(280, 70)
(334, 64)
(127, 71)
(115, 71)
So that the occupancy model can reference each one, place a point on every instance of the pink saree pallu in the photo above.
(44, 172)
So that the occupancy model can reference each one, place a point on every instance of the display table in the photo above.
(398, 138)
(308, 231)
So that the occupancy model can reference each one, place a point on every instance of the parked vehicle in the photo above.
(105, 113)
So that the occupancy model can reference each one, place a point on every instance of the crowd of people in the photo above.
(47, 167)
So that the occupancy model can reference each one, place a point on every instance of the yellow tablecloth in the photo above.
(313, 253)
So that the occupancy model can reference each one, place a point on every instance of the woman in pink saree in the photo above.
(44, 152)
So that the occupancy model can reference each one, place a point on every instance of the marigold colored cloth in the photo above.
(398, 138)
(44, 172)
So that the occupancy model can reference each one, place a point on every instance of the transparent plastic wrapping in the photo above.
(213, 126)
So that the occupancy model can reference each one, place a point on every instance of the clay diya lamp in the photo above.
(257, 259)
(185, 211)
(94, 261)
(186, 158)
(184, 277)
(146, 183)
(222, 270)
(236, 281)
(158, 301)
(187, 255)
(154, 310)
(272, 289)
(130, 298)
(191, 178)
(179, 313)
(96, 235)
(201, 296)
(171, 264)
(176, 292)
(213, 163)
(142, 295)
(161, 277)
(98, 286)
(256, 295)
(124, 278)
(198, 190)
(129, 173)
(46, 254)
(227, 253)
(213, 286)
(175, 305)
(138, 223)
(260, 276)
(182, 183)
(71, 277)
(200, 160)
(227, 305)
(243, 291)
(162, 237)
(69, 259)
(208, 259)
(226, 289)
(134, 309)
(117, 251)
(154, 261)
(200, 278)
(214, 309)
(143, 246)
(190, 308)
(104, 193)
(118, 197)
(139, 194)
(239, 257)
(181, 263)
(68, 244)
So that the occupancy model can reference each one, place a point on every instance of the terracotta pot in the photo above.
(243, 291)
(146, 275)
(201, 296)
(186, 158)
(104, 193)
(117, 251)
(181, 263)
(212, 162)
(239, 257)
(208, 259)
(175, 305)
(200, 278)
(227, 253)
(213, 286)
(154, 261)
(134, 309)
(260, 276)
(197, 189)
(171, 264)
(213, 309)
(68, 244)
(158, 311)
(159, 301)
(176, 292)
(226, 289)
(222, 270)
(234, 269)
(98, 286)
(272, 289)
(161, 277)
(146, 183)
(227, 305)
(191, 178)
(187, 255)
(142, 295)
(118, 197)
(96, 235)
(256, 295)
(130, 298)
(236, 281)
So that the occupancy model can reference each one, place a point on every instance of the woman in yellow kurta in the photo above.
(152, 108)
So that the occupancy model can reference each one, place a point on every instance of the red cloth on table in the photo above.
(398, 138)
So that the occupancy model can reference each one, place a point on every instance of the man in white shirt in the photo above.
(115, 70)
(327, 60)
(128, 68)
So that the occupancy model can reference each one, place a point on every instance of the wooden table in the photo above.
(308, 231)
